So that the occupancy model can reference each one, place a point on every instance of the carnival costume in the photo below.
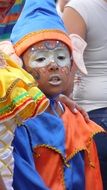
(60, 152)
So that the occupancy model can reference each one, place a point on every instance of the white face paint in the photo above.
(48, 52)
(42, 58)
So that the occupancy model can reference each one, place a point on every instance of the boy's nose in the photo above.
(53, 66)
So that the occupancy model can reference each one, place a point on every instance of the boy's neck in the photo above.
(55, 108)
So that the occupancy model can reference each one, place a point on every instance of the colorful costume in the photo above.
(9, 13)
(19, 100)
(52, 152)
(63, 150)
(17, 91)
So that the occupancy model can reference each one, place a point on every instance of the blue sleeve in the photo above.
(25, 174)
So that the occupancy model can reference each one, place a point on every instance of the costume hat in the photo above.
(40, 21)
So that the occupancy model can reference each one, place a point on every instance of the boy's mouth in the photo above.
(55, 80)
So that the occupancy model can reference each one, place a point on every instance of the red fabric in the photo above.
(5, 6)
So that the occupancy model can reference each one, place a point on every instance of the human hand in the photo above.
(73, 106)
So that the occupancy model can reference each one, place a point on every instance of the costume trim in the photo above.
(9, 90)
(35, 37)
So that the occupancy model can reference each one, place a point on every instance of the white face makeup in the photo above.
(49, 52)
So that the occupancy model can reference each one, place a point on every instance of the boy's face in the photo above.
(50, 64)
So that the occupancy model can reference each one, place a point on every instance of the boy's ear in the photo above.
(37, 76)
(78, 47)
(33, 72)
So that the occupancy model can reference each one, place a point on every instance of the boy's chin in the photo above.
(53, 94)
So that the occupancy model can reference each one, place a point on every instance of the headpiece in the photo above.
(40, 21)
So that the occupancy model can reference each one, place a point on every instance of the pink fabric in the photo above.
(7, 47)
(78, 46)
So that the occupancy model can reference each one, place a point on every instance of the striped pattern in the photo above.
(10, 19)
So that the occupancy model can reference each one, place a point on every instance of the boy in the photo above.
(55, 150)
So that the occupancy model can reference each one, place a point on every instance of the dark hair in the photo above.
(56, 1)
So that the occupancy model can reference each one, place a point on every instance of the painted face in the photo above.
(48, 52)
(50, 63)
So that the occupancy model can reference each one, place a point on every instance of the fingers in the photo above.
(73, 106)
(68, 102)
(83, 112)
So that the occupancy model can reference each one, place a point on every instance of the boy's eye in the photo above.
(41, 59)
(61, 57)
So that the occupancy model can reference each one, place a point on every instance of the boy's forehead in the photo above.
(48, 45)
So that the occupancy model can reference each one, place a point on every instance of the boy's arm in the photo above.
(25, 173)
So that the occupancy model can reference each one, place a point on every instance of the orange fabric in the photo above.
(93, 176)
(79, 133)
(79, 137)
(44, 162)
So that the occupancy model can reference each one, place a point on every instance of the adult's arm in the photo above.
(74, 22)
(62, 4)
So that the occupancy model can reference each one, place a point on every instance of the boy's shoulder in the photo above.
(79, 133)
(77, 123)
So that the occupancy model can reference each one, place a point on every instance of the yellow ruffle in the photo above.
(19, 95)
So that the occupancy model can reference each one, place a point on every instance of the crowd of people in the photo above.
(53, 66)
